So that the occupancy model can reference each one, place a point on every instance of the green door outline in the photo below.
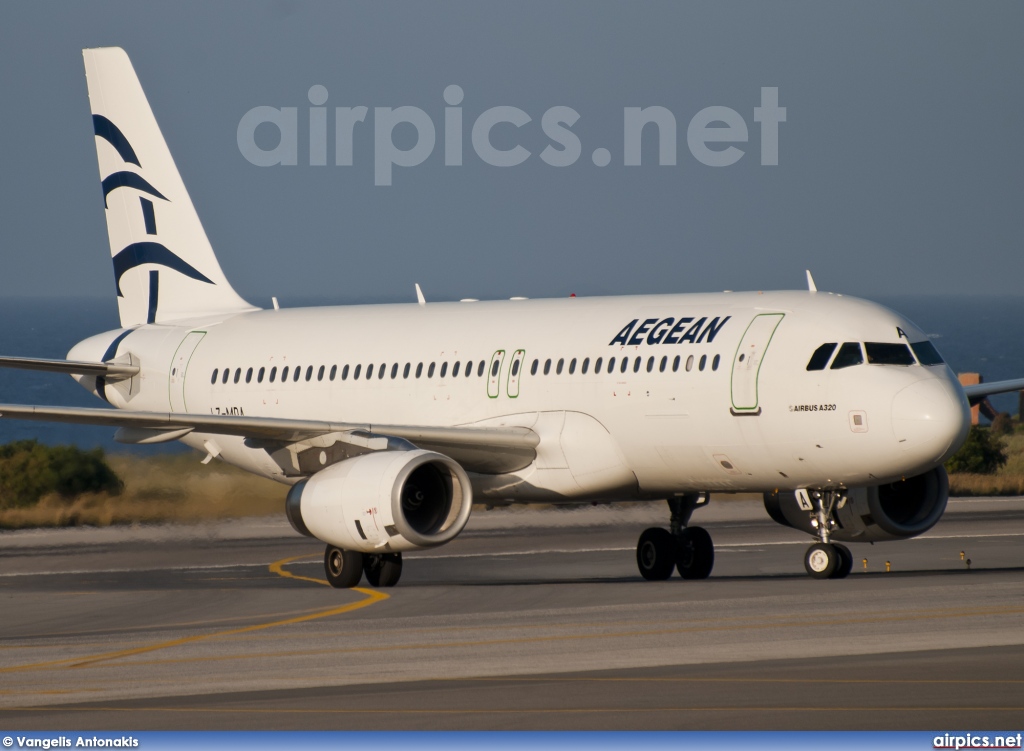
(746, 363)
(494, 374)
(179, 368)
(515, 372)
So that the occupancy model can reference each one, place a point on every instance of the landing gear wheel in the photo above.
(344, 568)
(695, 553)
(656, 554)
(382, 570)
(845, 562)
(822, 560)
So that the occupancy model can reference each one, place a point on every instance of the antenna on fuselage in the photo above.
(419, 295)
(811, 286)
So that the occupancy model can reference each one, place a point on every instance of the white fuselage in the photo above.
(723, 401)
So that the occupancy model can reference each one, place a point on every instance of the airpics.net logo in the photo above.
(715, 136)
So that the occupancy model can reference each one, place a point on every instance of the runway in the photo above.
(531, 619)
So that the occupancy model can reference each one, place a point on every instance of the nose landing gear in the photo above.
(825, 559)
(688, 550)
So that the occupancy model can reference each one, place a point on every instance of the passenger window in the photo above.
(558, 368)
(369, 371)
(405, 371)
(309, 373)
(480, 369)
(259, 376)
(455, 369)
(394, 371)
(320, 373)
(380, 373)
(344, 373)
(334, 372)
(703, 362)
(238, 375)
(926, 353)
(664, 363)
(821, 356)
(444, 369)
(547, 366)
(430, 371)
(248, 376)
(533, 368)
(849, 355)
(214, 378)
(356, 372)
(714, 363)
(650, 364)
(494, 368)
(572, 366)
(419, 370)
(284, 374)
(636, 365)
(675, 364)
(515, 368)
(586, 365)
(273, 374)
(469, 368)
(611, 364)
(883, 353)
(227, 373)
(597, 365)
(689, 363)
(624, 365)
(298, 373)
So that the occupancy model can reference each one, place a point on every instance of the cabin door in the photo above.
(746, 365)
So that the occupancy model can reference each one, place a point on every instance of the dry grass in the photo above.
(1009, 480)
(158, 489)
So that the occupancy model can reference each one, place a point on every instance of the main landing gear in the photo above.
(825, 559)
(686, 549)
(345, 568)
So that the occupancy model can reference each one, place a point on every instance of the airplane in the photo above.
(388, 422)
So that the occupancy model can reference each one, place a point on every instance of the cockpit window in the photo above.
(820, 357)
(926, 353)
(849, 354)
(885, 353)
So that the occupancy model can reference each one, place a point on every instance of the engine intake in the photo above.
(894, 511)
(383, 501)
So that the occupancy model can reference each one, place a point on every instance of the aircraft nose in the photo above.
(930, 419)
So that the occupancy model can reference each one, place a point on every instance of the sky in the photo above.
(900, 161)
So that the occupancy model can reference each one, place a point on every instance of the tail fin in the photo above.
(164, 267)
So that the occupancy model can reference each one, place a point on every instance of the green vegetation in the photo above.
(983, 453)
(29, 470)
(149, 489)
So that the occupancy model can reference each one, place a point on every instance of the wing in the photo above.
(979, 391)
(487, 450)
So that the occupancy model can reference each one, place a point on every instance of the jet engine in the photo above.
(894, 511)
(385, 501)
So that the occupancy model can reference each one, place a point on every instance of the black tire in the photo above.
(695, 553)
(845, 562)
(656, 554)
(344, 568)
(382, 570)
(821, 560)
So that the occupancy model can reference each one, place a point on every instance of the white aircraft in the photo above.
(388, 421)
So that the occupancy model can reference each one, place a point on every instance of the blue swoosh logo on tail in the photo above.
(137, 254)
(110, 133)
(128, 180)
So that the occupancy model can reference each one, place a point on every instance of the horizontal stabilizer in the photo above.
(485, 450)
(110, 371)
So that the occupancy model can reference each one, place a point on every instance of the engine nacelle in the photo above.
(896, 511)
(383, 501)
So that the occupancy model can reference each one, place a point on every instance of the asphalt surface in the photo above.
(529, 620)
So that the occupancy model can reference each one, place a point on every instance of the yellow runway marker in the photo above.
(371, 596)
(278, 568)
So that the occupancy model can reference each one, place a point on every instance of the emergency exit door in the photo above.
(179, 366)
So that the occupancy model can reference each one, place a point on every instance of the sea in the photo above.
(974, 334)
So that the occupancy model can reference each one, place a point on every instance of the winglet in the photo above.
(419, 295)
(811, 287)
